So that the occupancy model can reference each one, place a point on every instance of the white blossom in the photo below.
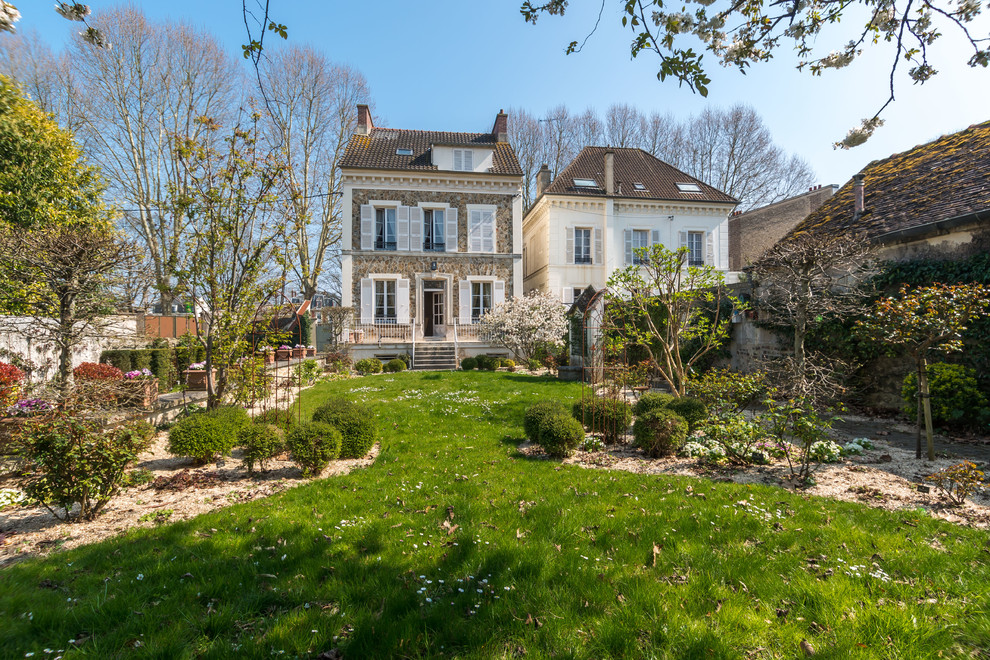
(96, 38)
(8, 16)
(860, 134)
(523, 324)
(968, 9)
(72, 11)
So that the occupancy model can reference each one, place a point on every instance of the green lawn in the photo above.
(544, 560)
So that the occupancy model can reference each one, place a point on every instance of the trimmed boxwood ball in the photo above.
(355, 422)
(694, 411)
(560, 434)
(313, 446)
(652, 401)
(469, 364)
(610, 417)
(537, 413)
(660, 432)
(280, 417)
(368, 366)
(393, 366)
(201, 437)
(261, 443)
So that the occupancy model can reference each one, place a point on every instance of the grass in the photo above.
(543, 560)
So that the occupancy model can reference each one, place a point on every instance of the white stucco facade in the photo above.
(555, 229)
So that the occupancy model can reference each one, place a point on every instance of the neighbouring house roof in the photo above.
(377, 150)
(632, 166)
(946, 178)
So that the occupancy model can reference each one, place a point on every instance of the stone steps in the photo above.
(435, 357)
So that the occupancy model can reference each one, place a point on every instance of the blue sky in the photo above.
(450, 65)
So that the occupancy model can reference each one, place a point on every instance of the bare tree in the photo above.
(559, 144)
(663, 137)
(734, 151)
(311, 116)
(807, 279)
(622, 123)
(72, 271)
(589, 129)
(46, 77)
(136, 100)
(526, 137)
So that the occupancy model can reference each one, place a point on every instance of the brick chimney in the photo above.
(609, 172)
(501, 128)
(542, 180)
(859, 194)
(364, 123)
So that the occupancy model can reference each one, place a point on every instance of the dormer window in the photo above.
(639, 186)
(463, 160)
(689, 187)
(402, 151)
(585, 183)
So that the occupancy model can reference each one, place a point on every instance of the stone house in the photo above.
(930, 203)
(607, 202)
(433, 241)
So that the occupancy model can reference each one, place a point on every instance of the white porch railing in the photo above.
(377, 333)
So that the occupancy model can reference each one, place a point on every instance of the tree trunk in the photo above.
(919, 420)
(927, 405)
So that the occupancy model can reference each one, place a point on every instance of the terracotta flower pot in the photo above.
(142, 393)
(310, 352)
(267, 356)
(284, 353)
(298, 352)
(196, 379)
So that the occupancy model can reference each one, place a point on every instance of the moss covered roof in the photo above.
(945, 178)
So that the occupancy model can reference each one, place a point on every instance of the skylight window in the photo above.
(689, 187)
(585, 183)
(639, 186)
(403, 152)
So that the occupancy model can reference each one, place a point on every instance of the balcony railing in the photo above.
(376, 333)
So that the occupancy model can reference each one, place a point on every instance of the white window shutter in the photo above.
(367, 300)
(567, 295)
(487, 231)
(710, 248)
(498, 293)
(474, 231)
(569, 246)
(367, 227)
(682, 239)
(458, 159)
(402, 228)
(627, 237)
(465, 302)
(415, 228)
(597, 238)
(451, 237)
(468, 160)
(402, 300)
(655, 238)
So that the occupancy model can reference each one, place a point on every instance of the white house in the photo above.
(432, 239)
(587, 222)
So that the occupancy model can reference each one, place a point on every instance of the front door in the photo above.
(433, 309)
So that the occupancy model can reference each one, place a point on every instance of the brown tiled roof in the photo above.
(942, 179)
(377, 150)
(631, 166)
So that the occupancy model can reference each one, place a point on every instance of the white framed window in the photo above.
(481, 299)
(433, 230)
(640, 240)
(578, 290)
(582, 245)
(696, 248)
(385, 228)
(464, 160)
(481, 228)
(385, 301)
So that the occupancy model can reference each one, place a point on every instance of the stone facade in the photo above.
(458, 200)
(413, 266)
(754, 232)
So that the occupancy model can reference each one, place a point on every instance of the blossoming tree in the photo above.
(525, 324)
(925, 320)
